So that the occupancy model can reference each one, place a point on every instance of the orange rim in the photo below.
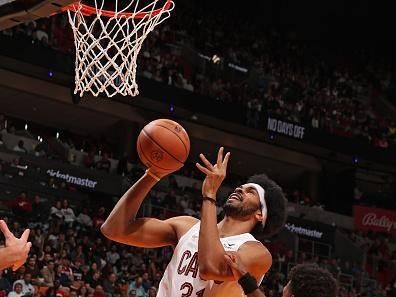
(87, 10)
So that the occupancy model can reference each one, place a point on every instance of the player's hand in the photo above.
(21, 245)
(215, 174)
(235, 264)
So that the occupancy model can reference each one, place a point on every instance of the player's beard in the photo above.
(238, 210)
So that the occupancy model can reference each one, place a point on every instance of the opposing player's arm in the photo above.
(123, 226)
(253, 255)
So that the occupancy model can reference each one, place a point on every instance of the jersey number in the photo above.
(189, 291)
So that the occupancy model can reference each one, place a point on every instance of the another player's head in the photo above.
(260, 200)
(309, 280)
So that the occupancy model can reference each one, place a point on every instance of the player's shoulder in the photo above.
(256, 247)
(183, 220)
(253, 250)
(182, 224)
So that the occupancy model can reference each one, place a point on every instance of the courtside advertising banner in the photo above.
(374, 219)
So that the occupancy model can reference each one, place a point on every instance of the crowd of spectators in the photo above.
(380, 261)
(287, 78)
(70, 257)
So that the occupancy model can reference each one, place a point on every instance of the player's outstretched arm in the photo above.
(123, 226)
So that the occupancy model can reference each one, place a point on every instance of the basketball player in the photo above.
(305, 280)
(203, 244)
(309, 280)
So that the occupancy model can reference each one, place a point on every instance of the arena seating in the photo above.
(296, 89)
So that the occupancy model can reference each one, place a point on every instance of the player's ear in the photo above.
(259, 216)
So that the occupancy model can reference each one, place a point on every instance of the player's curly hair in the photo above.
(309, 280)
(276, 205)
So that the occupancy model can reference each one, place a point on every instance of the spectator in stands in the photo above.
(89, 159)
(95, 280)
(104, 164)
(32, 268)
(84, 219)
(82, 292)
(48, 273)
(39, 211)
(5, 285)
(68, 213)
(99, 218)
(56, 210)
(137, 285)
(17, 291)
(99, 292)
(152, 292)
(39, 150)
(111, 286)
(20, 147)
(132, 293)
(63, 275)
(76, 265)
(27, 287)
(113, 256)
(23, 206)
(56, 290)
(40, 34)
(146, 281)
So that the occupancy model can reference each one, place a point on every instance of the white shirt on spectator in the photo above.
(53, 240)
(189, 87)
(315, 123)
(84, 219)
(14, 294)
(26, 288)
(56, 211)
(40, 34)
(68, 213)
(18, 149)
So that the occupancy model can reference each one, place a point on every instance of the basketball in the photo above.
(163, 145)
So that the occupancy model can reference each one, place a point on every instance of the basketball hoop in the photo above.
(108, 43)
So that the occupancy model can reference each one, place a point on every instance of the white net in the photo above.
(107, 44)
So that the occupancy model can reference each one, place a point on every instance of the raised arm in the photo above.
(123, 226)
(15, 252)
(210, 250)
